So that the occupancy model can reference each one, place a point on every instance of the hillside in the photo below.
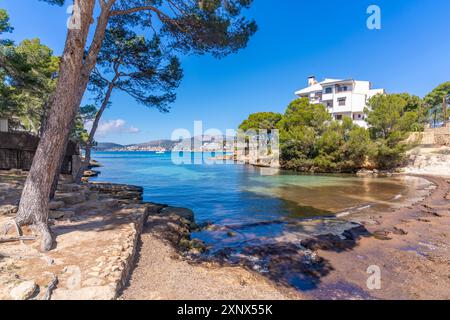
(102, 146)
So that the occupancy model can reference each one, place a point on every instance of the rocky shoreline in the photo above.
(107, 239)
(97, 228)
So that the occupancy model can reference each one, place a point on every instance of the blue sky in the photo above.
(296, 38)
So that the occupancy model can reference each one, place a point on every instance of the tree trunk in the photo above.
(90, 142)
(59, 168)
(72, 82)
(444, 109)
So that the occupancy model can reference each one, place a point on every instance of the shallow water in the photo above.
(253, 207)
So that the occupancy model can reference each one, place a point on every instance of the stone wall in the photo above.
(432, 136)
(17, 151)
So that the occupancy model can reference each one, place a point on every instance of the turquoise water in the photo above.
(253, 207)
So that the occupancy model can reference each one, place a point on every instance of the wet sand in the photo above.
(411, 246)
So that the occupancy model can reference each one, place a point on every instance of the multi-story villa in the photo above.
(341, 97)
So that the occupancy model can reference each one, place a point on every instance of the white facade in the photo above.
(341, 97)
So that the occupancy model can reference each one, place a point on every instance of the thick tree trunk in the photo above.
(90, 142)
(72, 82)
(444, 109)
(59, 167)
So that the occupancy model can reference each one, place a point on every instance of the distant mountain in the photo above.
(101, 146)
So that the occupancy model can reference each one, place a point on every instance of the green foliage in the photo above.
(88, 112)
(301, 113)
(137, 66)
(79, 132)
(311, 142)
(5, 26)
(391, 118)
(261, 120)
(434, 102)
(337, 147)
(55, 2)
(435, 97)
(28, 75)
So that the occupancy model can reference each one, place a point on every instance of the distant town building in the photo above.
(341, 97)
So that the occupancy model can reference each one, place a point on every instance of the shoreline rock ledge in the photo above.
(97, 227)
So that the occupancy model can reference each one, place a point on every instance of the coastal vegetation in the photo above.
(438, 101)
(312, 142)
(28, 74)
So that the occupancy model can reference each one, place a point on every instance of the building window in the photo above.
(339, 117)
(328, 90)
(342, 88)
(342, 101)
(329, 104)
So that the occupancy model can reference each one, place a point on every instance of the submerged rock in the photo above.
(333, 242)
(181, 212)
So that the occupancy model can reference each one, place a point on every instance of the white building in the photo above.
(341, 97)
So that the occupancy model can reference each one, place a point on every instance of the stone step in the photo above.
(72, 197)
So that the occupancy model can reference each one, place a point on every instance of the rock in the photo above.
(382, 235)
(115, 268)
(327, 242)
(400, 232)
(72, 198)
(56, 214)
(91, 173)
(231, 234)
(441, 213)
(181, 212)
(16, 172)
(24, 291)
(8, 209)
(94, 164)
(347, 240)
(59, 214)
(69, 187)
(93, 196)
(56, 205)
(86, 293)
(68, 214)
(364, 173)
(109, 202)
